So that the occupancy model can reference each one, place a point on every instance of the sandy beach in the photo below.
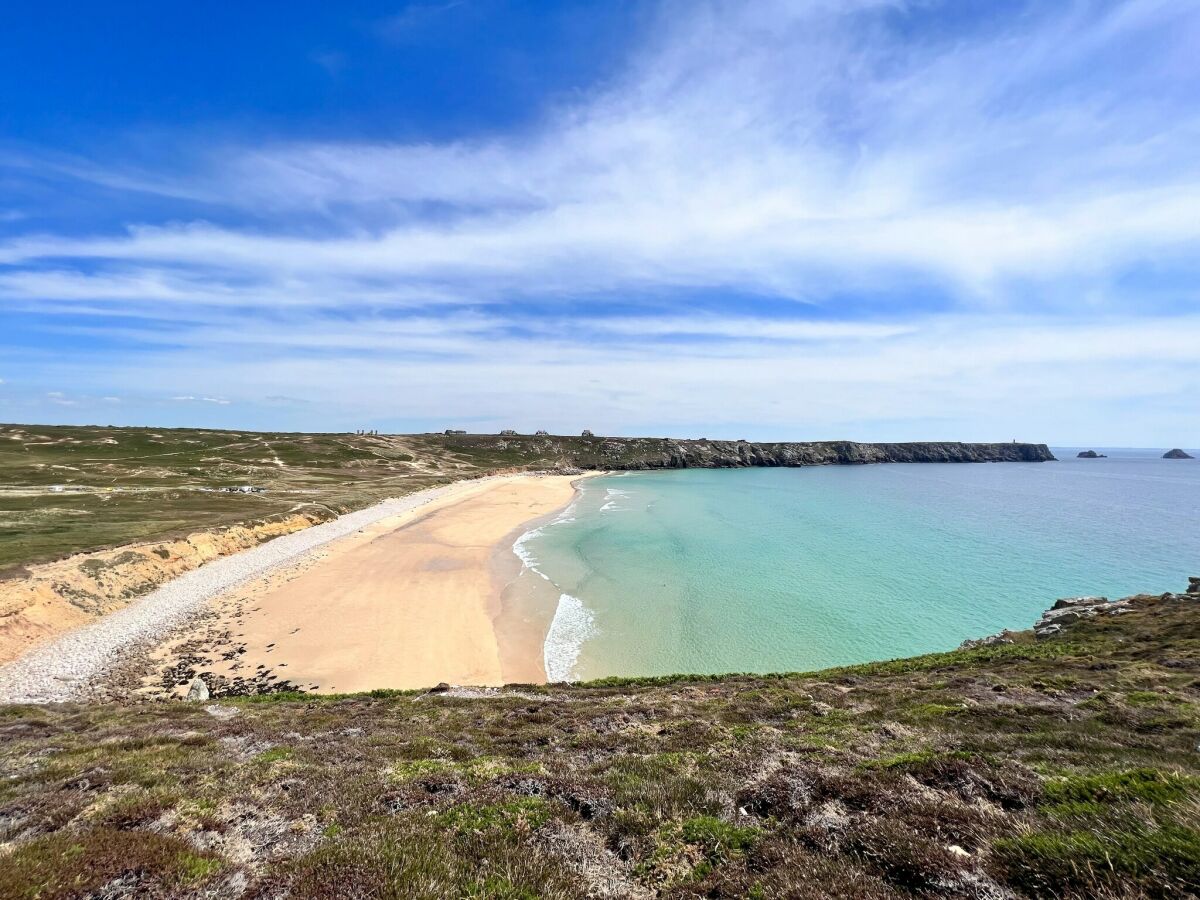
(406, 602)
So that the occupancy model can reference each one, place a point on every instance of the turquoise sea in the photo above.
(763, 570)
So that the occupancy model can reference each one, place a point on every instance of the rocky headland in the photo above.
(620, 453)
(1068, 610)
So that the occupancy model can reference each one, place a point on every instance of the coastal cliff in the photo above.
(620, 453)
(641, 453)
(84, 489)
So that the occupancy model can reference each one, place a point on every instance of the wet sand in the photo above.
(407, 602)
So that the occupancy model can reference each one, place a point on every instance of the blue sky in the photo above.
(792, 219)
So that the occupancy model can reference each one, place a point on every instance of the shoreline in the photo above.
(530, 593)
(404, 604)
(101, 658)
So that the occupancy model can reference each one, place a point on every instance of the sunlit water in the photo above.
(790, 569)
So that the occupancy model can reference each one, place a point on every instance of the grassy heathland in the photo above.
(1066, 767)
(70, 489)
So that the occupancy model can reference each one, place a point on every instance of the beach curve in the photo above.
(69, 667)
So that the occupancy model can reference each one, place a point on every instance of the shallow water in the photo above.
(791, 569)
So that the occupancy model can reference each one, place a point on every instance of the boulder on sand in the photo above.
(197, 690)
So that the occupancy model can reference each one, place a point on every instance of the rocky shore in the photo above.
(1068, 610)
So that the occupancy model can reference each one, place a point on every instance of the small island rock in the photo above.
(1177, 454)
(1090, 454)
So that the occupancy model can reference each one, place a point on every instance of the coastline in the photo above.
(135, 650)
(408, 602)
(534, 605)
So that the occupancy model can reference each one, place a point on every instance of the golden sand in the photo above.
(408, 602)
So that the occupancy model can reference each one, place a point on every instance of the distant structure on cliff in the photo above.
(456, 431)
(509, 432)
(587, 432)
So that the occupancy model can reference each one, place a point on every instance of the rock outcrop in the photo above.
(664, 453)
(1069, 610)
(1090, 454)
(1074, 609)
(992, 640)
(1177, 454)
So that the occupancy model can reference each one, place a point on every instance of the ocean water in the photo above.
(762, 570)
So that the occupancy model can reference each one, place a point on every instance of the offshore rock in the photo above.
(1090, 454)
(1177, 454)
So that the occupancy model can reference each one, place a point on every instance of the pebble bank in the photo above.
(63, 669)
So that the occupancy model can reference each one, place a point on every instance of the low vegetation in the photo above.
(1067, 767)
(68, 489)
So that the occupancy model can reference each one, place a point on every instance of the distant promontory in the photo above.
(669, 453)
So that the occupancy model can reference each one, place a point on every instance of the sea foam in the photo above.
(612, 497)
(573, 622)
(572, 626)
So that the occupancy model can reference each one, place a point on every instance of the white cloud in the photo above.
(955, 214)
(974, 377)
(777, 147)
(58, 398)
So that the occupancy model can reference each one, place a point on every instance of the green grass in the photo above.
(846, 784)
(719, 839)
(1165, 862)
(1144, 785)
(275, 754)
(466, 818)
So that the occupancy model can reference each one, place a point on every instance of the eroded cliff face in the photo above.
(655, 453)
(57, 596)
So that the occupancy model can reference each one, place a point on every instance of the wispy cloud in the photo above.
(855, 195)
(413, 18)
